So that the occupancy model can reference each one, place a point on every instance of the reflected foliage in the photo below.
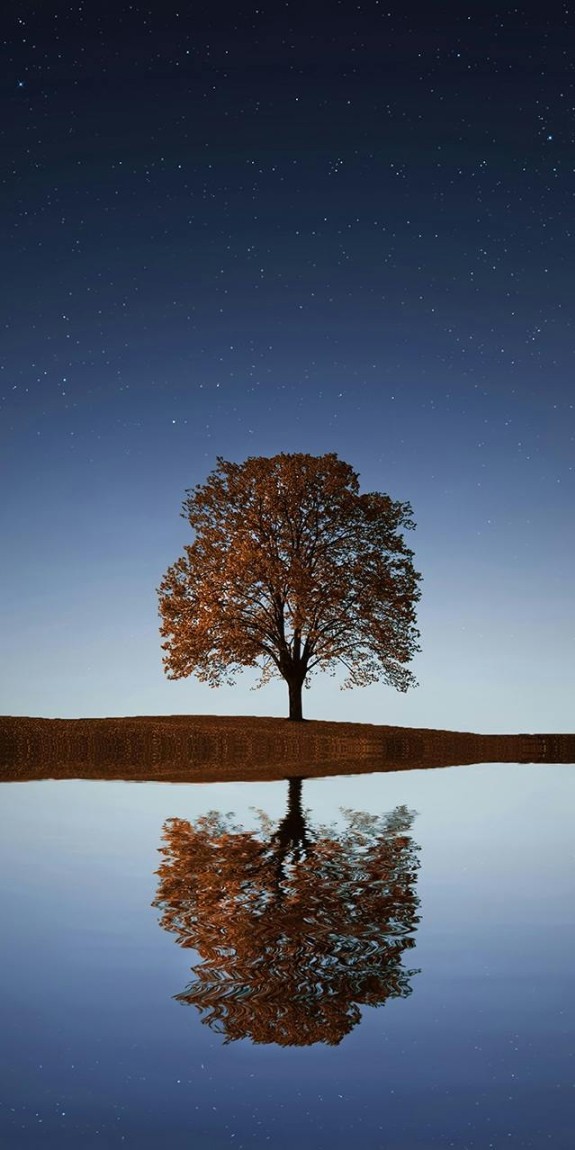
(296, 928)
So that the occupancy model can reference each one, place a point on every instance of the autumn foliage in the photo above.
(291, 569)
(295, 930)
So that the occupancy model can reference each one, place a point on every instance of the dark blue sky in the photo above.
(235, 230)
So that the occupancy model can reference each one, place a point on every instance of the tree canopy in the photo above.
(295, 929)
(291, 569)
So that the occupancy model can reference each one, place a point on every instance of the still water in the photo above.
(384, 961)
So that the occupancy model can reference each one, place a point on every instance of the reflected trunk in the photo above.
(292, 837)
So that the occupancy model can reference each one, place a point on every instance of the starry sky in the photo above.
(234, 230)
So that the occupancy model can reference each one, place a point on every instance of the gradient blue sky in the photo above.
(231, 230)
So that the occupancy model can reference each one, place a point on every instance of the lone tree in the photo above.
(291, 569)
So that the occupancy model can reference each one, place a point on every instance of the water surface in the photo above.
(425, 962)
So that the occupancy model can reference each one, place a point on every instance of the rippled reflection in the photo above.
(296, 927)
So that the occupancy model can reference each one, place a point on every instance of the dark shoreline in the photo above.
(212, 748)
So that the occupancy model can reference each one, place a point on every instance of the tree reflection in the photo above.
(296, 929)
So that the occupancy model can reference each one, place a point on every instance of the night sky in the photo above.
(237, 230)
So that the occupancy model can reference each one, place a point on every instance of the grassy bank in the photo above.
(207, 748)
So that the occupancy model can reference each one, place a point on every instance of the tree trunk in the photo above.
(295, 704)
